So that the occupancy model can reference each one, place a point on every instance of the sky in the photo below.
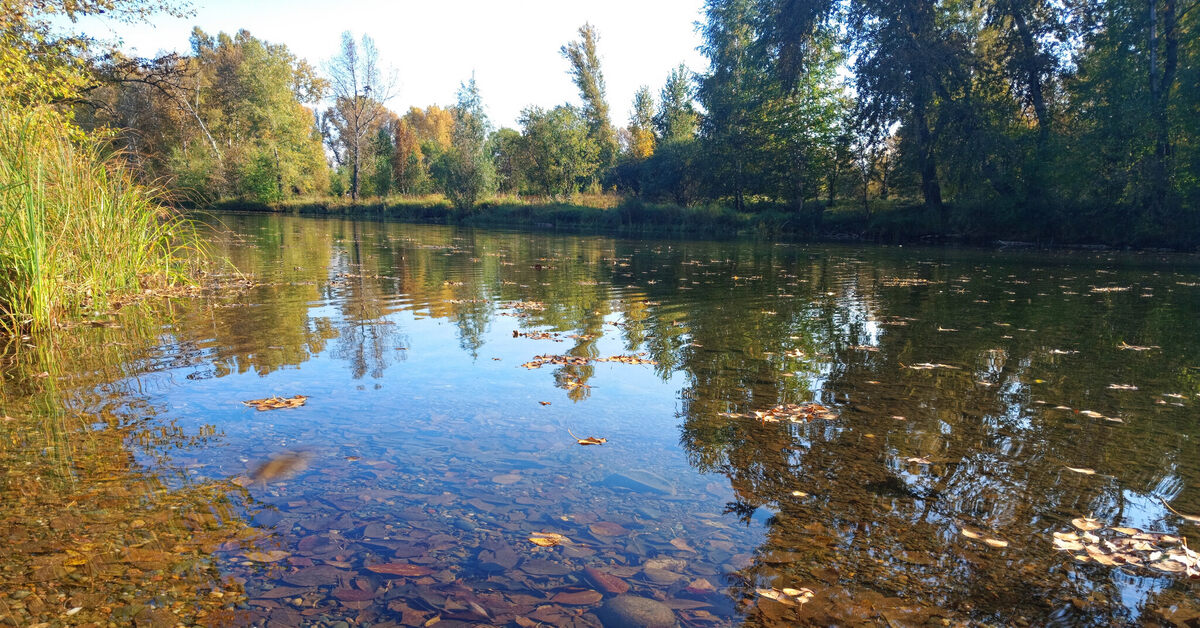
(512, 47)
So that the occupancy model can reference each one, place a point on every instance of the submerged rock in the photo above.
(639, 481)
(631, 611)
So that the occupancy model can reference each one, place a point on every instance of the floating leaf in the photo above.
(1192, 518)
(1129, 531)
(1122, 387)
(1129, 347)
(801, 596)
(544, 403)
(996, 543)
(1083, 471)
(921, 460)
(275, 403)
(970, 534)
(1086, 524)
(1061, 544)
(591, 440)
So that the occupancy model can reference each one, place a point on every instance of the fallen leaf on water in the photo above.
(1122, 387)
(272, 556)
(1086, 524)
(1129, 347)
(590, 440)
(1066, 536)
(970, 534)
(546, 539)
(927, 366)
(996, 542)
(544, 403)
(1192, 518)
(800, 596)
(1083, 471)
(921, 460)
(275, 403)
(400, 569)
(1062, 544)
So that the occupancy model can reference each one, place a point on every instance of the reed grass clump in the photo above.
(75, 227)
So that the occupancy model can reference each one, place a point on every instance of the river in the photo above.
(513, 429)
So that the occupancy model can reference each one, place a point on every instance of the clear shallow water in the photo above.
(964, 387)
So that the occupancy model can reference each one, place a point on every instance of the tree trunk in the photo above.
(930, 190)
(1160, 94)
(1037, 97)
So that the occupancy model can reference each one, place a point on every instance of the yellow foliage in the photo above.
(642, 143)
(432, 124)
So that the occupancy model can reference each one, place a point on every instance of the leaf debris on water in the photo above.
(275, 403)
(590, 440)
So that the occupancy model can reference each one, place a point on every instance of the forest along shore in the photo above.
(890, 224)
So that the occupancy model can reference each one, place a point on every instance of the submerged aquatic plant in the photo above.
(75, 227)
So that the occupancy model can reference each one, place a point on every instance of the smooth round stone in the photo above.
(631, 611)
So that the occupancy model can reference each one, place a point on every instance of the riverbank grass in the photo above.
(75, 228)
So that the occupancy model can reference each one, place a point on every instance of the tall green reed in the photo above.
(76, 228)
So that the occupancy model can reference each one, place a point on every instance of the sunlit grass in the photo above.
(75, 227)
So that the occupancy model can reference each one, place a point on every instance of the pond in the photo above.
(517, 429)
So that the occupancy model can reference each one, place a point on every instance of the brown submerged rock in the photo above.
(631, 611)
(606, 582)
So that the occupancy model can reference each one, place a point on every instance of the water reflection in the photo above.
(965, 384)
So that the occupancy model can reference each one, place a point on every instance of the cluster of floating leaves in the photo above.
(794, 412)
(787, 595)
(578, 360)
(1128, 547)
(906, 282)
(928, 366)
(1128, 347)
(537, 335)
(990, 541)
(275, 403)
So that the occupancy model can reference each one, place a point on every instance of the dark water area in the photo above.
(794, 435)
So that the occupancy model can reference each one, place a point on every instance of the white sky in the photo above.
(513, 47)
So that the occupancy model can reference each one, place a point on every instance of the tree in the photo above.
(468, 170)
(585, 71)
(409, 172)
(558, 156)
(641, 125)
(676, 119)
(504, 147)
(360, 90)
(727, 94)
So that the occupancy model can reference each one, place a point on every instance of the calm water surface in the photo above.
(978, 402)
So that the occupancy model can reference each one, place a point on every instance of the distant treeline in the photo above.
(1020, 119)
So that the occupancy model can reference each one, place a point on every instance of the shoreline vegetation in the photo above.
(79, 233)
(883, 223)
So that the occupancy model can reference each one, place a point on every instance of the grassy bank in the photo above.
(75, 229)
(882, 221)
